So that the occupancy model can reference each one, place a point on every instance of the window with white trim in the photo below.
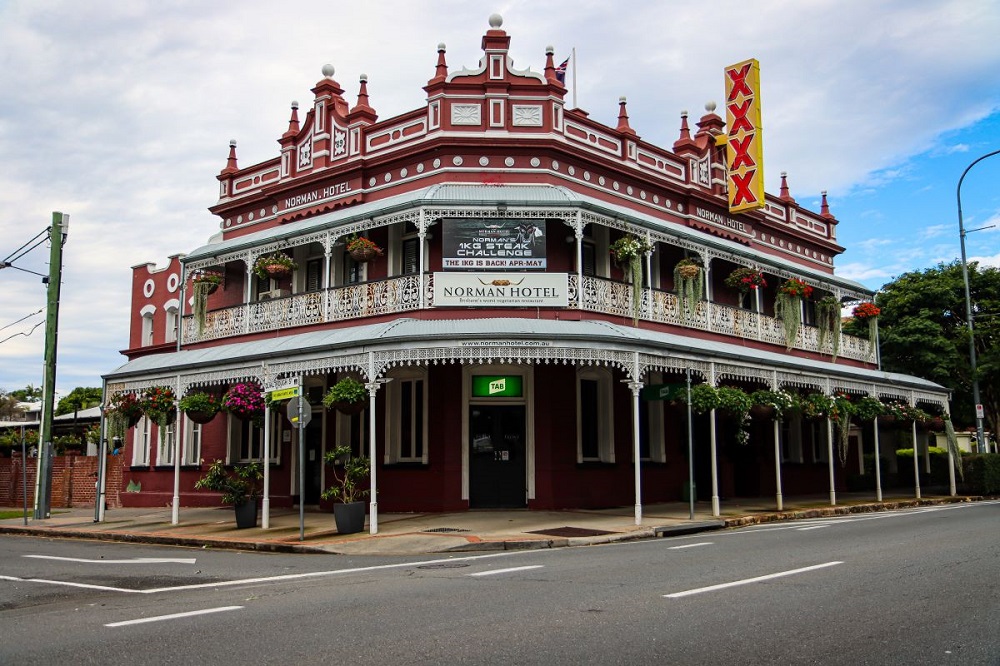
(406, 418)
(192, 443)
(594, 416)
(171, 330)
(815, 434)
(246, 440)
(791, 440)
(147, 329)
(140, 442)
(165, 445)
(651, 445)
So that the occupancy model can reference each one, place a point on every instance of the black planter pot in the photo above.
(246, 514)
(350, 517)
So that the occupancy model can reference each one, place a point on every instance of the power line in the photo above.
(22, 333)
(22, 319)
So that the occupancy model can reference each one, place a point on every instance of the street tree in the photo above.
(80, 398)
(923, 332)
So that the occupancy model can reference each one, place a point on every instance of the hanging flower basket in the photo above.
(689, 281)
(347, 396)
(688, 271)
(363, 250)
(744, 280)
(244, 400)
(200, 407)
(275, 265)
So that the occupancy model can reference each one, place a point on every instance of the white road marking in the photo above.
(746, 581)
(812, 527)
(501, 571)
(269, 579)
(70, 584)
(691, 545)
(173, 616)
(133, 560)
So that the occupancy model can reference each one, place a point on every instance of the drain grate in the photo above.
(445, 565)
(570, 532)
(447, 529)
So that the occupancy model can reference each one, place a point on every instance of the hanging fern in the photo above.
(199, 293)
(689, 280)
(828, 321)
(788, 309)
(635, 275)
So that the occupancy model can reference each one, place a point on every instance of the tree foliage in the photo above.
(923, 332)
(80, 398)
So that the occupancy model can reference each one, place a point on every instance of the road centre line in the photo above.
(747, 581)
(268, 579)
(691, 545)
(70, 584)
(173, 616)
(501, 571)
(133, 560)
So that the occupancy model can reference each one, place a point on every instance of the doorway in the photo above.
(497, 460)
(314, 460)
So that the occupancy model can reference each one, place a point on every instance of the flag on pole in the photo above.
(561, 71)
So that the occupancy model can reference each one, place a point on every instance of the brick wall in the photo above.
(73, 479)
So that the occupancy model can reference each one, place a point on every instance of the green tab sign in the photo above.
(494, 386)
(660, 391)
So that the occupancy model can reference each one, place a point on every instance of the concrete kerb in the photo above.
(375, 546)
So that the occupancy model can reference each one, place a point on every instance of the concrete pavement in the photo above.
(424, 533)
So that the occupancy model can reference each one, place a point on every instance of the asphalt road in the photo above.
(908, 587)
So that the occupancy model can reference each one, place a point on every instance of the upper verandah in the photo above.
(480, 125)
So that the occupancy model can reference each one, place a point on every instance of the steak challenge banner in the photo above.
(494, 244)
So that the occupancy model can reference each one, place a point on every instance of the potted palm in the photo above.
(240, 488)
(274, 265)
(362, 249)
(200, 407)
(346, 490)
(348, 396)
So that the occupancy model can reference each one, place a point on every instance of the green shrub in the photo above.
(982, 473)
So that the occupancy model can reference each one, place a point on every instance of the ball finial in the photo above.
(328, 70)
(232, 143)
(710, 106)
(496, 21)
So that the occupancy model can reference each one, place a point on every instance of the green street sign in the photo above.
(659, 391)
(285, 393)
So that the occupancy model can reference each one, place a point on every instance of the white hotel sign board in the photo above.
(529, 290)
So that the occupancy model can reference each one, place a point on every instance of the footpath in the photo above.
(426, 533)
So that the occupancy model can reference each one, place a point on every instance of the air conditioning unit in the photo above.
(274, 293)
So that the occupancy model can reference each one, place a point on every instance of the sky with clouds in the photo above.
(120, 114)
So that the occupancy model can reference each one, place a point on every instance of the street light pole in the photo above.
(980, 437)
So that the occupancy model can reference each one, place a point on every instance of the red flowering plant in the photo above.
(122, 412)
(865, 311)
(796, 287)
(159, 404)
(363, 245)
(745, 279)
(244, 400)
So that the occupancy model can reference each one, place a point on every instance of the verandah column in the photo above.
(715, 464)
(777, 465)
(829, 455)
(175, 512)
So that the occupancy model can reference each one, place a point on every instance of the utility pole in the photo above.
(43, 481)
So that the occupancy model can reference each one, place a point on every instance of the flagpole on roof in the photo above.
(574, 77)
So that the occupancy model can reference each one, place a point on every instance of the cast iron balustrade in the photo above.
(402, 294)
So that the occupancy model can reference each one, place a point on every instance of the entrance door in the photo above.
(497, 465)
(314, 459)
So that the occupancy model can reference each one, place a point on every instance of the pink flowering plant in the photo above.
(244, 400)
(745, 279)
